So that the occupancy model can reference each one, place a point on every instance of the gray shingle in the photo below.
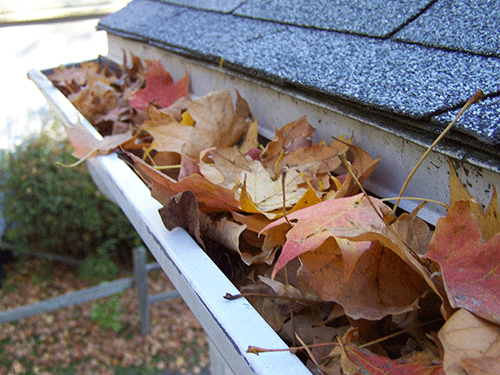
(370, 17)
(195, 32)
(470, 25)
(407, 79)
(410, 80)
(226, 6)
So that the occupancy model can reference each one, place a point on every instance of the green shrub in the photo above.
(58, 210)
(107, 314)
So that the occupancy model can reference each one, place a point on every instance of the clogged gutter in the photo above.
(327, 266)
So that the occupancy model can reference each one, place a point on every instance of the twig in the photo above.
(283, 178)
(307, 350)
(346, 163)
(257, 350)
(218, 73)
(418, 199)
(476, 97)
(271, 296)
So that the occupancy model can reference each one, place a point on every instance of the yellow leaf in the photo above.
(187, 119)
(266, 195)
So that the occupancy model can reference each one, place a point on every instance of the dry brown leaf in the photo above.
(95, 100)
(362, 166)
(307, 324)
(182, 211)
(217, 122)
(168, 134)
(229, 163)
(489, 221)
(250, 139)
(413, 231)
(319, 158)
(270, 312)
(290, 137)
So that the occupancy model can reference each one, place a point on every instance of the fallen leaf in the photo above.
(270, 312)
(311, 161)
(86, 145)
(469, 341)
(485, 365)
(250, 139)
(283, 289)
(95, 99)
(470, 266)
(229, 163)
(160, 88)
(362, 166)
(231, 235)
(413, 231)
(307, 324)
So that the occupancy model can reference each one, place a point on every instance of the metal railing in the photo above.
(141, 270)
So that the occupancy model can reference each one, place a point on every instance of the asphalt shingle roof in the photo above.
(420, 60)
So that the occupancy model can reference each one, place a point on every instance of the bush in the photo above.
(58, 210)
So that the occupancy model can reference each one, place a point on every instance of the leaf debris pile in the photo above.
(320, 261)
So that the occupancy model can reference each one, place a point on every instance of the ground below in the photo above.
(72, 341)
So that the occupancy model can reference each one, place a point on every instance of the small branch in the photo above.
(283, 177)
(346, 163)
(161, 167)
(257, 350)
(311, 356)
(417, 199)
(218, 73)
(476, 97)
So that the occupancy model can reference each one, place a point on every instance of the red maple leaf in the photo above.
(470, 267)
(160, 89)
